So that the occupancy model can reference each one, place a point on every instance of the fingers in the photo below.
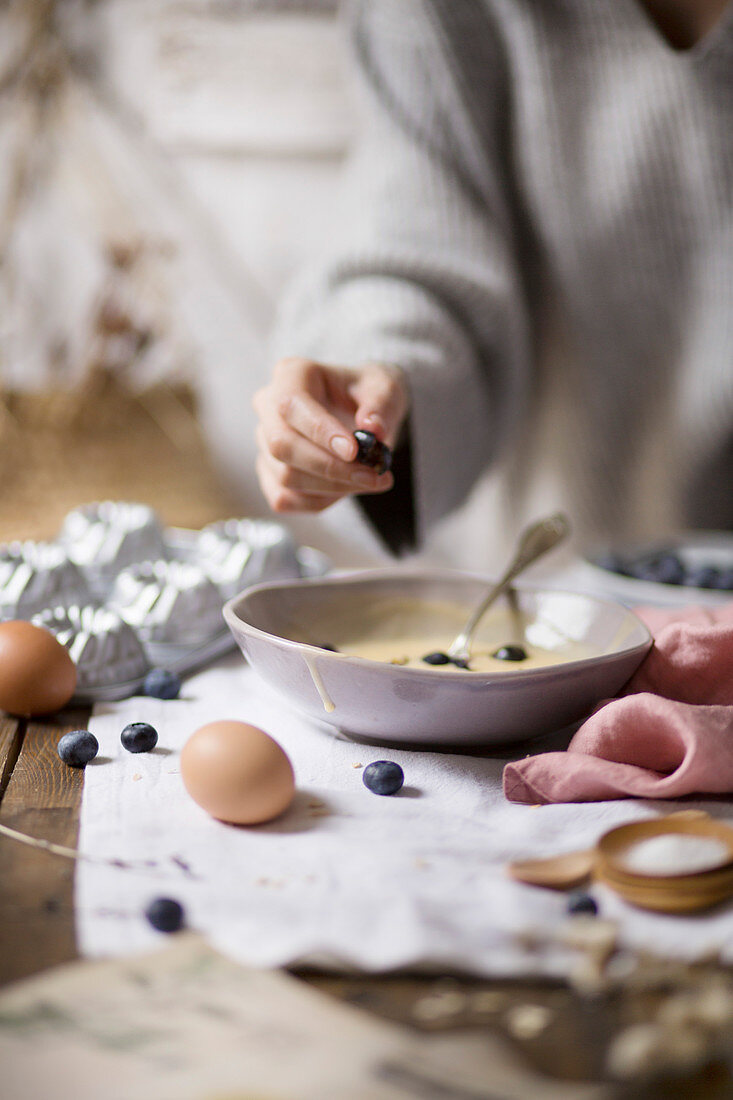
(282, 499)
(302, 393)
(296, 453)
(306, 451)
(287, 490)
(381, 401)
(289, 483)
(306, 416)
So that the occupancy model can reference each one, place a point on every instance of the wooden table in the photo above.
(40, 796)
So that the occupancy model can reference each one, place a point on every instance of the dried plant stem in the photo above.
(71, 853)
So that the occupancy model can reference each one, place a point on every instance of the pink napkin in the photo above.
(669, 734)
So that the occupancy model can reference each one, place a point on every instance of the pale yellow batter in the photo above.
(402, 632)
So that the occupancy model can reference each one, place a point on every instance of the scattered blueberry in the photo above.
(580, 902)
(614, 563)
(139, 737)
(161, 683)
(461, 662)
(330, 648)
(705, 576)
(510, 653)
(666, 567)
(436, 659)
(383, 777)
(78, 748)
(165, 914)
(662, 568)
(371, 452)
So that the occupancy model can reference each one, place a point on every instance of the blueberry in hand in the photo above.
(139, 737)
(580, 902)
(383, 777)
(78, 748)
(371, 452)
(510, 653)
(160, 683)
(437, 658)
(165, 914)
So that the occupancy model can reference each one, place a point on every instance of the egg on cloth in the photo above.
(237, 773)
(37, 675)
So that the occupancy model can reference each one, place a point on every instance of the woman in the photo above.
(534, 267)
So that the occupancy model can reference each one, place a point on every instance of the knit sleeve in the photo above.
(420, 267)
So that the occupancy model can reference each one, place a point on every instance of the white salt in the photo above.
(675, 854)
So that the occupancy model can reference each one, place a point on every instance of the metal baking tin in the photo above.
(35, 575)
(109, 655)
(168, 601)
(125, 594)
(103, 538)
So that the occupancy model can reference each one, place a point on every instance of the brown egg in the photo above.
(237, 773)
(37, 675)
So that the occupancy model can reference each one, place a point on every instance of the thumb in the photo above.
(381, 398)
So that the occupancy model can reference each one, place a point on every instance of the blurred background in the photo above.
(165, 166)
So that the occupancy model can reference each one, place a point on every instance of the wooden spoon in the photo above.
(556, 872)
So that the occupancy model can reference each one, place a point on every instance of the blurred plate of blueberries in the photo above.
(691, 567)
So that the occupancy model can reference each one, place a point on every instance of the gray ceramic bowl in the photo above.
(281, 628)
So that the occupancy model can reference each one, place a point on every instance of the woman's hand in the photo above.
(307, 414)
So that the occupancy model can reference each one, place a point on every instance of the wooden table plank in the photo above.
(42, 798)
(11, 739)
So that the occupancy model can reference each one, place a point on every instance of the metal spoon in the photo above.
(534, 541)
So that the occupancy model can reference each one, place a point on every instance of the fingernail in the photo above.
(374, 420)
(342, 447)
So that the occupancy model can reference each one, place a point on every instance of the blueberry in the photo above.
(580, 902)
(704, 576)
(139, 737)
(371, 452)
(165, 914)
(78, 748)
(436, 659)
(330, 648)
(662, 568)
(461, 662)
(510, 653)
(726, 580)
(160, 683)
(383, 777)
(614, 563)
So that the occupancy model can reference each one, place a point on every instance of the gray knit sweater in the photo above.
(538, 227)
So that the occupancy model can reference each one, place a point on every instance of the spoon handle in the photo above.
(534, 541)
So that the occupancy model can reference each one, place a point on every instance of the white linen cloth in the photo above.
(346, 878)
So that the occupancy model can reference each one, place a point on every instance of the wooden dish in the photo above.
(711, 883)
(677, 900)
(614, 844)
